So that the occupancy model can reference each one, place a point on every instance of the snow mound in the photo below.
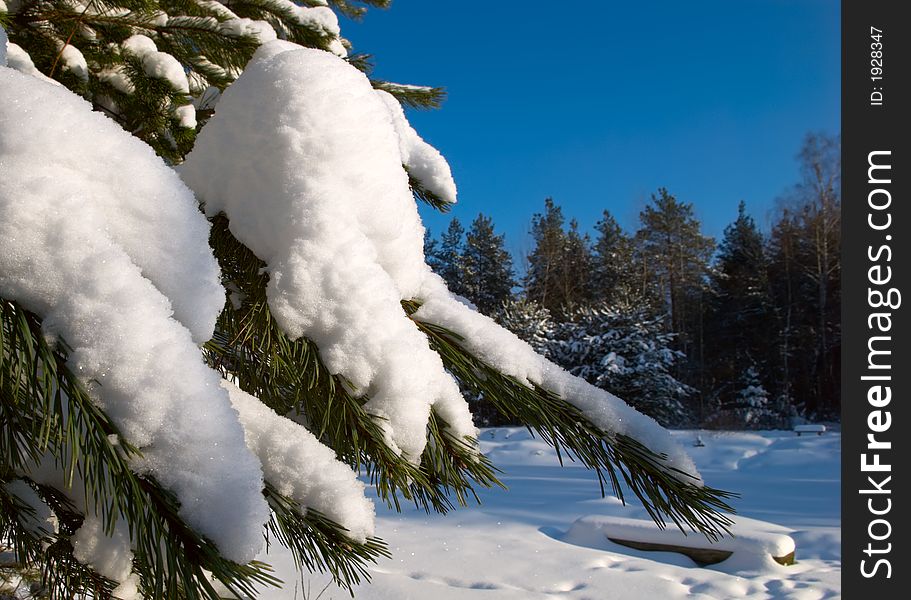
(752, 543)
(319, 193)
(107, 245)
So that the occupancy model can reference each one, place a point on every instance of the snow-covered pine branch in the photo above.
(335, 321)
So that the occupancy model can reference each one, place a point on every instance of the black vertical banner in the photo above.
(876, 421)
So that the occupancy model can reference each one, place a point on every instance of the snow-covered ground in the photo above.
(516, 544)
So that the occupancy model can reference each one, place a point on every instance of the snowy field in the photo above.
(518, 545)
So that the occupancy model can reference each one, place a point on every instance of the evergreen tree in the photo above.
(672, 257)
(559, 266)
(488, 275)
(531, 322)
(613, 274)
(739, 312)
(542, 279)
(449, 261)
(752, 404)
(66, 448)
(624, 350)
(576, 269)
(676, 256)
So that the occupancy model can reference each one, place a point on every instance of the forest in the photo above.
(742, 332)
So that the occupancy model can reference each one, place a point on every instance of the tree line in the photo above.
(741, 332)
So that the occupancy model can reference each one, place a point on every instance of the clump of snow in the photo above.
(423, 161)
(108, 553)
(186, 115)
(319, 193)
(259, 30)
(107, 245)
(71, 59)
(110, 556)
(3, 42)
(18, 59)
(300, 467)
(157, 64)
(218, 8)
(317, 18)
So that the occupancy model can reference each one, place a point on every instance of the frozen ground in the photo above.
(515, 545)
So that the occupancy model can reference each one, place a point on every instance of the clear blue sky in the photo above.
(598, 103)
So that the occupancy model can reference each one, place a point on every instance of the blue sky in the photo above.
(598, 103)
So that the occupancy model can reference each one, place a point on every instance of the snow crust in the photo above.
(107, 245)
(300, 467)
(319, 193)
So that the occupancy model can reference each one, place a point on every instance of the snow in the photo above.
(319, 193)
(751, 540)
(300, 467)
(157, 64)
(71, 59)
(110, 556)
(261, 31)
(129, 281)
(109, 553)
(423, 161)
(515, 545)
(186, 115)
(18, 59)
(810, 428)
(3, 41)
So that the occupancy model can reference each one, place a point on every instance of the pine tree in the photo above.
(676, 254)
(624, 350)
(488, 275)
(754, 408)
(285, 392)
(542, 281)
(672, 257)
(449, 258)
(531, 322)
(613, 273)
(739, 312)
(559, 266)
